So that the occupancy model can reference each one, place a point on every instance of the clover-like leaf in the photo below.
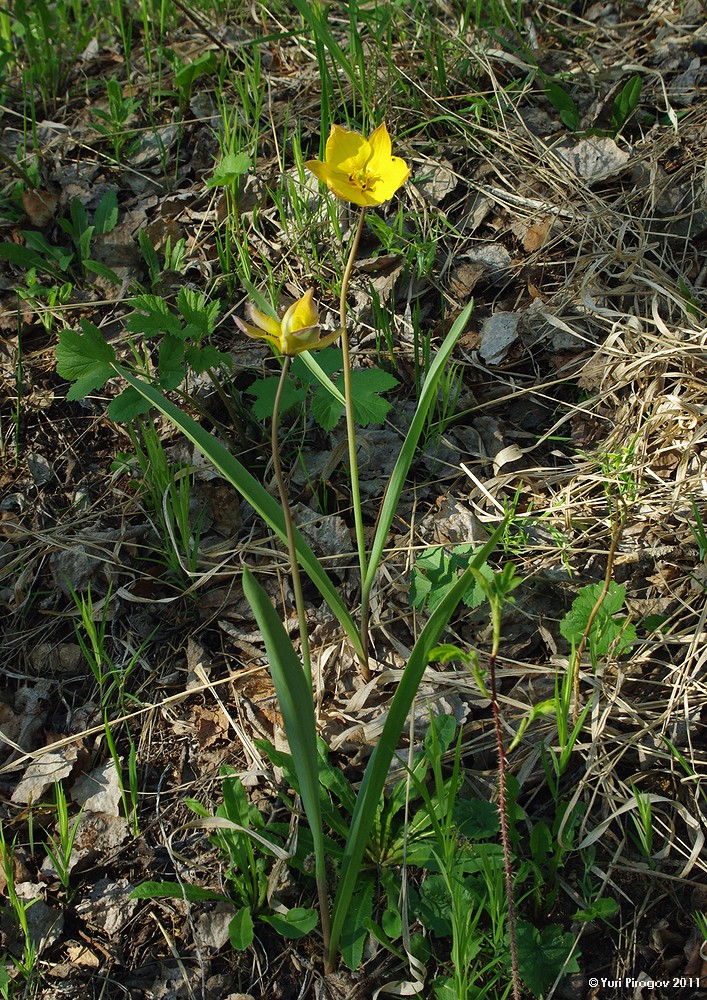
(171, 363)
(543, 955)
(130, 403)
(606, 629)
(437, 571)
(264, 392)
(153, 316)
(84, 358)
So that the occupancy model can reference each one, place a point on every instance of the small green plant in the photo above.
(26, 965)
(173, 257)
(166, 490)
(606, 630)
(81, 231)
(250, 850)
(38, 255)
(622, 107)
(187, 73)
(113, 123)
(44, 299)
(60, 850)
(699, 533)
(436, 572)
(86, 359)
(111, 680)
(642, 818)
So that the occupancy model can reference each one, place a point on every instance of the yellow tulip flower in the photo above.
(297, 331)
(362, 171)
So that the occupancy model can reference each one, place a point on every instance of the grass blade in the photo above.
(396, 482)
(252, 491)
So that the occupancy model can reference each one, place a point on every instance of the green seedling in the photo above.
(166, 489)
(564, 104)
(81, 231)
(699, 533)
(607, 632)
(60, 850)
(625, 104)
(251, 851)
(622, 107)
(451, 385)
(113, 123)
(26, 965)
(111, 680)
(44, 299)
(642, 819)
(187, 73)
(436, 572)
(173, 257)
(556, 760)
(39, 256)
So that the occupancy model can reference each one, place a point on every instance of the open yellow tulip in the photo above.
(362, 171)
(297, 331)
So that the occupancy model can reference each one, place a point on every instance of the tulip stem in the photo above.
(351, 428)
(291, 546)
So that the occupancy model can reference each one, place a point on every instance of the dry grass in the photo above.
(604, 397)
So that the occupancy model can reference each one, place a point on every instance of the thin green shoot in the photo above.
(60, 850)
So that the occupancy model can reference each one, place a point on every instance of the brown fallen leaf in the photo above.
(40, 206)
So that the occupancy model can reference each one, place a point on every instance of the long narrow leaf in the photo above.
(407, 452)
(252, 491)
(294, 696)
(321, 376)
(377, 769)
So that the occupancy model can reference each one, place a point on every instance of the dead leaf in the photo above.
(108, 908)
(595, 158)
(40, 206)
(212, 927)
(79, 954)
(437, 182)
(42, 773)
(534, 234)
(498, 332)
(511, 453)
(99, 791)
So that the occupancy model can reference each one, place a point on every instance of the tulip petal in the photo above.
(301, 314)
(381, 148)
(257, 333)
(321, 170)
(363, 172)
(265, 322)
(386, 184)
(341, 186)
(347, 151)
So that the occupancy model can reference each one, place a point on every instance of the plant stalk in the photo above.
(351, 434)
(502, 808)
(291, 546)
